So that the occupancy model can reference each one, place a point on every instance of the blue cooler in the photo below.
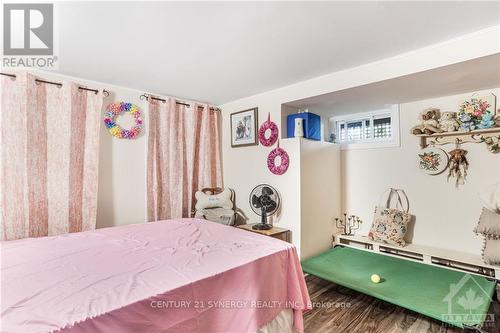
(312, 125)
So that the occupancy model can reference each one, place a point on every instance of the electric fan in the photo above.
(265, 201)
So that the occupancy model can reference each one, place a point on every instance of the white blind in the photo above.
(377, 127)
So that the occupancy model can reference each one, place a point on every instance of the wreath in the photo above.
(271, 161)
(268, 125)
(113, 110)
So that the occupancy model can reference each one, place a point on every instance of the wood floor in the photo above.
(367, 314)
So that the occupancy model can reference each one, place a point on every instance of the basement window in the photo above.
(375, 129)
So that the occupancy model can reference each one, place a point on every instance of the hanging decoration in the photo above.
(115, 109)
(477, 113)
(492, 143)
(271, 126)
(433, 161)
(459, 165)
(475, 122)
(282, 167)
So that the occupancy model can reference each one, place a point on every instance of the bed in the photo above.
(183, 275)
(453, 297)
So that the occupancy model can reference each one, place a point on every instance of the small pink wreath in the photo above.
(268, 125)
(271, 161)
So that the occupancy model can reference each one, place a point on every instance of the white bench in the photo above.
(460, 261)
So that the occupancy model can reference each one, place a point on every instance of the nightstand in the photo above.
(275, 232)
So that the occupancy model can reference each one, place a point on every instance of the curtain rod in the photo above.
(146, 97)
(95, 91)
(9, 75)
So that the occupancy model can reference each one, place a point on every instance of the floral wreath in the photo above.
(268, 125)
(271, 160)
(113, 110)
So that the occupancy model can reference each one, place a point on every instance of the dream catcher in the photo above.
(458, 165)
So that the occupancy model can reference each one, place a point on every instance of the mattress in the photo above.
(454, 297)
(183, 275)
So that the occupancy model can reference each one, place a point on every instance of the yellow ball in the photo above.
(375, 278)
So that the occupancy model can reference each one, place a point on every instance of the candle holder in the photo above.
(349, 224)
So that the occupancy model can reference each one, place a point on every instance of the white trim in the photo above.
(370, 143)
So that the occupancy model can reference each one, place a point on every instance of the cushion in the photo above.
(389, 226)
(221, 200)
(491, 251)
(491, 198)
(489, 224)
(219, 215)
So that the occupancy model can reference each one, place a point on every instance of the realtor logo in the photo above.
(28, 35)
(28, 29)
(468, 303)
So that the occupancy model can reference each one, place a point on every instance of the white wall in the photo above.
(320, 186)
(445, 216)
(245, 167)
(248, 168)
(121, 196)
(122, 169)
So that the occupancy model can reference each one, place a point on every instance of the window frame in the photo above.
(394, 141)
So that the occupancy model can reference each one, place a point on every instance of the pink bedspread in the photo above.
(170, 276)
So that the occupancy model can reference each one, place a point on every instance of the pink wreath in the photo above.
(268, 125)
(271, 161)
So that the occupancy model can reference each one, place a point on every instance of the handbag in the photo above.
(391, 224)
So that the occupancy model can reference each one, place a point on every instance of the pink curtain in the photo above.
(49, 157)
(183, 157)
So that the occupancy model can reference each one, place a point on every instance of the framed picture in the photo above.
(244, 128)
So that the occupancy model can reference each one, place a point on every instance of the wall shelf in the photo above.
(476, 136)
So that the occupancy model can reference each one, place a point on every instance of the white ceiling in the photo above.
(473, 75)
(221, 51)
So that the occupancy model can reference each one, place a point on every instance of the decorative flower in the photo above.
(113, 110)
(474, 114)
(485, 124)
(430, 161)
(469, 109)
(465, 117)
(484, 105)
(492, 143)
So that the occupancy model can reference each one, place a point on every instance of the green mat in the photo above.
(453, 297)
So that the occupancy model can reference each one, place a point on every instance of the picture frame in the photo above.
(244, 128)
